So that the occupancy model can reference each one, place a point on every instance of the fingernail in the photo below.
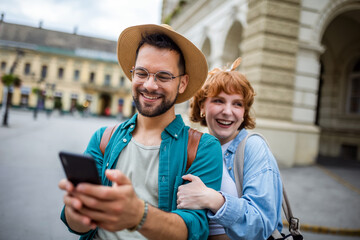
(80, 187)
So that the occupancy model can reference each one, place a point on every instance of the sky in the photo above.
(95, 18)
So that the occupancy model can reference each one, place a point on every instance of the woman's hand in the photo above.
(195, 195)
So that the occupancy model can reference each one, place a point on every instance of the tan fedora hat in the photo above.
(195, 62)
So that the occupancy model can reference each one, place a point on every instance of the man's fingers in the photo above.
(78, 217)
(105, 193)
(66, 185)
(72, 201)
(117, 177)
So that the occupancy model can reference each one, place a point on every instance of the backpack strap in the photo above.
(294, 223)
(193, 143)
(106, 137)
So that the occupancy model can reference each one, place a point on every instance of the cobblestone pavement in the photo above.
(30, 201)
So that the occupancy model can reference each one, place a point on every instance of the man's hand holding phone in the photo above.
(90, 205)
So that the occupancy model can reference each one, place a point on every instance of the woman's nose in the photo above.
(227, 109)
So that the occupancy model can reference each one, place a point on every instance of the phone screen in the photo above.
(79, 168)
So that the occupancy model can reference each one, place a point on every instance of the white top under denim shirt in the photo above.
(258, 212)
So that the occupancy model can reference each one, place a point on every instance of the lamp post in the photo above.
(38, 93)
(6, 101)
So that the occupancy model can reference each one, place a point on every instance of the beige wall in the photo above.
(67, 86)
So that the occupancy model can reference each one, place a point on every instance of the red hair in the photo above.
(229, 82)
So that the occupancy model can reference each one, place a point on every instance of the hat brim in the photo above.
(195, 62)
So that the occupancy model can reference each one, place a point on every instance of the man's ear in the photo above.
(184, 80)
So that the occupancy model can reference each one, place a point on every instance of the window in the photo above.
(92, 77)
(3, 66)
(27, 69)
(354, 96)
(76, 75)
(43, 71)
(60, 73)
(107, 80)
(122, 81)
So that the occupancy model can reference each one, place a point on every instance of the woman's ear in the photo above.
(202, 109)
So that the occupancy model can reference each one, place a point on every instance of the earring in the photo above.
(202, 115)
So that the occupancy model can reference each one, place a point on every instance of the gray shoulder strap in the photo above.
(294, 224)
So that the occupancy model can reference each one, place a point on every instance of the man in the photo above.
(147, 155)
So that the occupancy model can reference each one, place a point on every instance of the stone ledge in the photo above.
(275, 9)
(263, 58)
(274, 26)
(274, 43)
(286, 126)
(270, 76)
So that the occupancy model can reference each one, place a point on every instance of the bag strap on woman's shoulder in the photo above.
(294, 223)
(193, 143)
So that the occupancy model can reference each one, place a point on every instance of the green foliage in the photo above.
(175, 12)
(58, 104)
(80, 107)
(35, 90)
(11, 80)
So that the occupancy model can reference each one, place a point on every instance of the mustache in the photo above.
(144, 90)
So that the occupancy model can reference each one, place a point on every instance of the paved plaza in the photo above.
(30, 201)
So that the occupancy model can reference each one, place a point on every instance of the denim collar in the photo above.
(241, 135)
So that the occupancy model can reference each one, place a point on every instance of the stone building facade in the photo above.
(301, 56)
(63, 71)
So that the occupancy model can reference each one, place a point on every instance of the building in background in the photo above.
(303, 59)
(64, 71)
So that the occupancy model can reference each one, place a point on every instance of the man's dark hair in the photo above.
(162, 41)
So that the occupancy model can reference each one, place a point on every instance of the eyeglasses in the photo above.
(142, 75)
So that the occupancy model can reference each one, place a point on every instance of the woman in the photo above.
(223, 105)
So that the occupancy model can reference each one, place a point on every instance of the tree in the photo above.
(9, 80)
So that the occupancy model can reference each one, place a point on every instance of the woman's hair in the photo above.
(228, 81)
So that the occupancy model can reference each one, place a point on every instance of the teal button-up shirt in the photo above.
(172, 165)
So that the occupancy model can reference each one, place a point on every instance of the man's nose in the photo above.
(151, 83)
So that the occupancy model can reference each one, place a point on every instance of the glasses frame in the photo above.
(172, 77)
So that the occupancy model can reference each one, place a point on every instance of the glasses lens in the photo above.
(141, 74)
(163, 76)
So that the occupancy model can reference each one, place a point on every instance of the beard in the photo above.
(148, 110)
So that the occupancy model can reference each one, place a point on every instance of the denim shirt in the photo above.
(172, 165)
(257, 213)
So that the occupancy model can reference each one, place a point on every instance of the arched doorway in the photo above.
(339, 93)
(206, 49)
(105, 104)
(232, 43)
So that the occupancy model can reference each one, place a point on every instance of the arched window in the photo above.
(354, 89)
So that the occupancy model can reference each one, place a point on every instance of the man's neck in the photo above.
(148, 129)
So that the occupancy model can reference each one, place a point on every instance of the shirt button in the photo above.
(176, 135)
(230, 168)
(124, 140)
(132, 126)
(107, 164)
(227, 154)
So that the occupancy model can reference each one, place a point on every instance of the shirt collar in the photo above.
(241, 135)
(173, 129)
(132, 121)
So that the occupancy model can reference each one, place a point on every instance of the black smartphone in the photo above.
(79, 168)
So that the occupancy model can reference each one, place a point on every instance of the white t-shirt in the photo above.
(228, 186)
(140, 164)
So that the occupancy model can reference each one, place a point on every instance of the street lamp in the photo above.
(6, 104)
(38, 93)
